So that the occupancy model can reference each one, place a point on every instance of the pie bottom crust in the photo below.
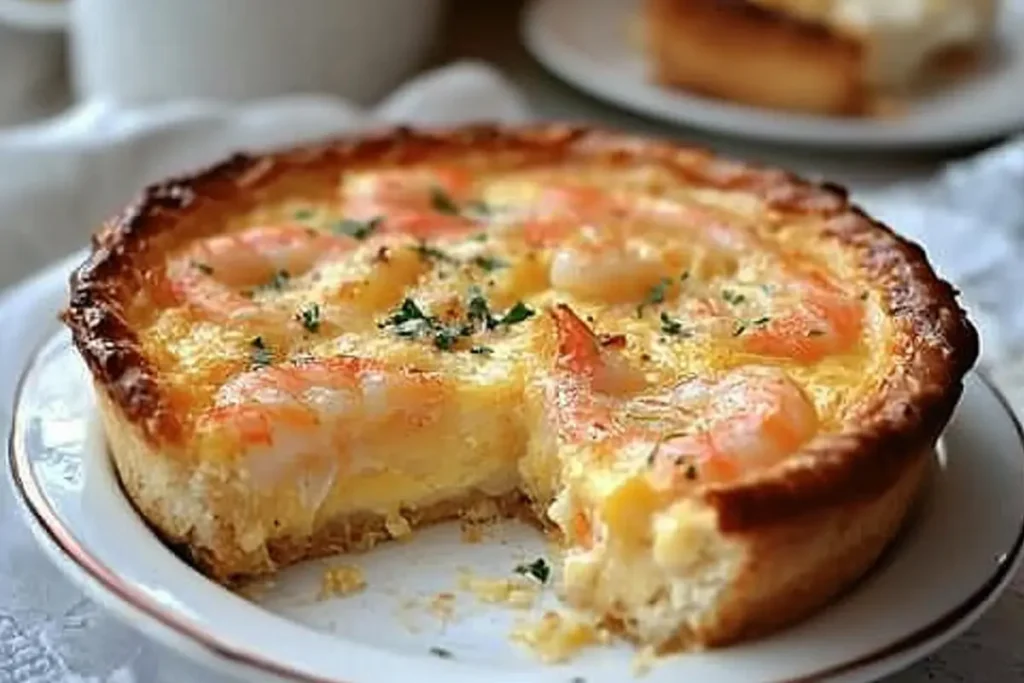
(789, 568)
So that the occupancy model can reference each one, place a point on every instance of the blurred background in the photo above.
(575, 60)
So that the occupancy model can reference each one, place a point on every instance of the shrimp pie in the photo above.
(716, 386)
(833, 57)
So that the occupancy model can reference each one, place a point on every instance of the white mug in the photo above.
(144, 51)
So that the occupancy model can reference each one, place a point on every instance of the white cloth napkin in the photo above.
(59, 179)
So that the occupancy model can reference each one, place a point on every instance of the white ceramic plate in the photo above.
(958, 553)
(587, 43)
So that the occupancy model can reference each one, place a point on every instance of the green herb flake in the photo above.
(259, 354)
(203, 268)
(685, 276)
(447, 336)
(732, 298)
(428, 253)
(739, 329)
(278, 281)
(864, 296)
(441, 652)
(489, 263)
(479, 311)
(655, 295)
(539, 569)
(408, 320)
(481, 350)
(669, 325)
(303, 214)
(517, 314)
(690, 472)
(763, 320)
(360, 230)
(442, 202)
(479, 237)
(309, 316)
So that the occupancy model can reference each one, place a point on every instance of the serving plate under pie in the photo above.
(392, 630)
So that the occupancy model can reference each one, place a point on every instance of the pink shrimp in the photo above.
(422, 203)
(329, 407)
(821, 321)
(702, 429)
(211, 275)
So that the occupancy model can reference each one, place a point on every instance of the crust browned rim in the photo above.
(937, 346)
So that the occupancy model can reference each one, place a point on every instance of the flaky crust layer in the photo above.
(794, 519)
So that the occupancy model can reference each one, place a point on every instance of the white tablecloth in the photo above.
(58, 179)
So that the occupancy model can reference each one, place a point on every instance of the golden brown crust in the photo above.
(796, 566)
(741, 51)
(935, 343)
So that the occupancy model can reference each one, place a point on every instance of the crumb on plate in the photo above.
(519, 593)
(558, 637)
(341, 580)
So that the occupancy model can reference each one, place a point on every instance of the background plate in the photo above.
(587, 43)
(902, 611)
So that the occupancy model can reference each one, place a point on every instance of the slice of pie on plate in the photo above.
(832, 57)
(717, 386)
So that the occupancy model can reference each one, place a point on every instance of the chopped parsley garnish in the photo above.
(479, 237)
(259, 354)
(864, 296)
(655, 296)
(446, 336)
(731, 297)
(481, 350)
(441, 652)
(278, 281)
(411, 322)
(690, 472)
(408, 320)
(763, 320)
(538, 569)
(479, 311)
(358, 229)
(203, 268)
(303, 214)
(441, 202)
(740, 329)
(490, 263)
(670, 325)
(428, 252)
(517, 314)
(309, 316)
(685, 276)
